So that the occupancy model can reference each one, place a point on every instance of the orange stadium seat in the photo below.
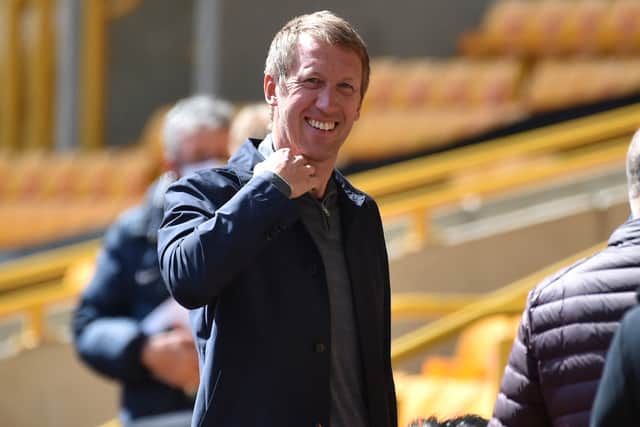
(558, 83)
(129, 174)
(381, 84)
(545, 27)
(431, 103)
(61, 175)
(502, 30)
(465, 383)
(50, 196)
(414, 83)
(25, 176)
(582, 32)
(556, 27)
(477, 353)
(620, 30)
(94, 175)
(421, 396)
(5, 170)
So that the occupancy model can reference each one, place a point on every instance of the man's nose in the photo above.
(326, 99)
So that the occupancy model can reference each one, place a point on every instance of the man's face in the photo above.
(314, 110)
(203, 144)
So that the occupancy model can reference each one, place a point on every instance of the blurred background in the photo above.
(493, 136)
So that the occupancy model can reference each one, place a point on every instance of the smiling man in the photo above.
(281, 261)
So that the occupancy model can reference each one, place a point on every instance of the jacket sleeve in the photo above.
(210, 232)
(520, 401)
(105, 336)
(616, 401)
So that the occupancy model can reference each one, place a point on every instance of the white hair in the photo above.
(191, 114)
(633, 173)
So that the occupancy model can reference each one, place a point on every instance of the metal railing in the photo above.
(568, 135)
(34, 283)
(428, 304)
(507, 300)
(49, 266)
(414, 208)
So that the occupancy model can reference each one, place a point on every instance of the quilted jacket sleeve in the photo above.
(520, 402)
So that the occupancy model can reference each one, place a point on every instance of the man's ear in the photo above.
(269, 87)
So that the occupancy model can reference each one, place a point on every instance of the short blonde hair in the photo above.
(324, 26)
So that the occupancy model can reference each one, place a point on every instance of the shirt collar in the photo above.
(266, 146)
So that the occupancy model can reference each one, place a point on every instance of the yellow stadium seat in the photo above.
(421, 396)
(477, 353)
(620, 30)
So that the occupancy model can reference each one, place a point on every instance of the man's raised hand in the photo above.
(294, 169)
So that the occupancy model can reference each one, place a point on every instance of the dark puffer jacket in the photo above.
(570, 318)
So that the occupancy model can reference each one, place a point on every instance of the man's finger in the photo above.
(310, 169)
(298, 158)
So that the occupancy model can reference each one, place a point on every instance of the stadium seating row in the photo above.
(421, 104)
(33, 222)
(46, 196)
(446, 83)
(556, 27)
(556, 83)
(91, 176)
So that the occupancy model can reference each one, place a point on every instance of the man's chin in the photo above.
(321, 157)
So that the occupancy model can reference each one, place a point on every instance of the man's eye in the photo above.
(347, 87)
(312, 81)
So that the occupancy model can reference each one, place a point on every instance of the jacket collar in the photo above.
(627, 233)
(152, 209)
(247, 156)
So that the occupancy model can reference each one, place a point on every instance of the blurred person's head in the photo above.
(251, 121)
(633, 174)
(196, 133)
(468, 420)
(316, 74)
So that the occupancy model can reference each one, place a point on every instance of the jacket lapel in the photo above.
(355, 226)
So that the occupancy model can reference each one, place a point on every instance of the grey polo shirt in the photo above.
(322, 220)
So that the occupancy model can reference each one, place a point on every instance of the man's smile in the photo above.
(317, 124)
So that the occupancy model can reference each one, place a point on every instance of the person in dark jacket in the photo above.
(281, 261)
(125, 326)
(618, 396)
(557, 358)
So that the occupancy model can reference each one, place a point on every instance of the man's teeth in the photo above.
(322, 125)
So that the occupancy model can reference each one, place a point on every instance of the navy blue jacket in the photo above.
(235, 250)
(125, 288)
